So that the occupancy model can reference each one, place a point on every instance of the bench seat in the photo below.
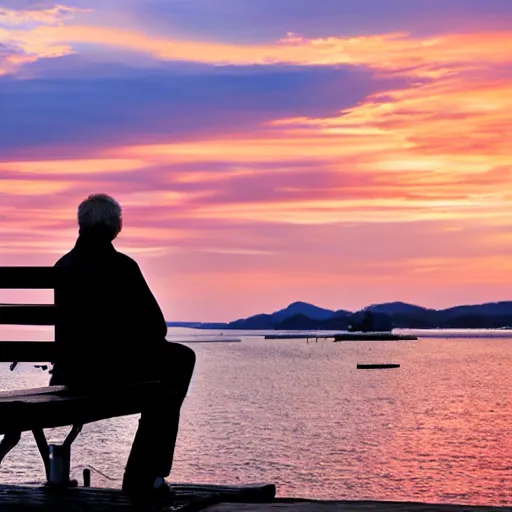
(58, 406)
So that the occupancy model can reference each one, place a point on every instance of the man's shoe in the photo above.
(162, 489)
(159, 490)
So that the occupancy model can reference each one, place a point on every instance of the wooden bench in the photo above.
(56, 406)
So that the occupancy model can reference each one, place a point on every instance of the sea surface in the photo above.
(438, 429)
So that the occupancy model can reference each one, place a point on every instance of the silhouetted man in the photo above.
(112, 330)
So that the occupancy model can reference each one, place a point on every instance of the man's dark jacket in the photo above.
(109, 323)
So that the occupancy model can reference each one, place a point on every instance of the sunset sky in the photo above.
(340, 152)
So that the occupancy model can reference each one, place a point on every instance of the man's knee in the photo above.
(179, 354)
(187, 358)
(190, 356)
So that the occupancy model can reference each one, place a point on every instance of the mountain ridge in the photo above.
(305, 316)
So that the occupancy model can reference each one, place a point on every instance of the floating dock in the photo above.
(345, 336)
(299, 336)
(377, 366)
(216, 340)
(199, 498)
(374, 336)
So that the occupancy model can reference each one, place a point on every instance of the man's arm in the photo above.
(155, 327)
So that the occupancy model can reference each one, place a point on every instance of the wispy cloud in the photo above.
(15, 49)
(26, 18)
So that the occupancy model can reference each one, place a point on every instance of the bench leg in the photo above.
(44, 450)
(10, 440)
(73, 435)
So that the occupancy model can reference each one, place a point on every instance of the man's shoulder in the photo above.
(65, 260)
(127, 261)
(119, 263)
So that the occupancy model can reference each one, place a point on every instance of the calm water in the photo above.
(438, 429)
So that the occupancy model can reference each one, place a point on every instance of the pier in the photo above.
(299, 336)
(345, 336)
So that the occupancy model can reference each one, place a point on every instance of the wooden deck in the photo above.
(195, 499)
(283, 505)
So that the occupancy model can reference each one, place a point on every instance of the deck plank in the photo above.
(284, 505)
(189, 498)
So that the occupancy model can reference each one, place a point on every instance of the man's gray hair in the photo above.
(100, 211)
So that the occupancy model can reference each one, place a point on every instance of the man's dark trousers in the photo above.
(152, 450)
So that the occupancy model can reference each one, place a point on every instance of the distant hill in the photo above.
(397, 308)
(262, 322)
(294, 314)
(408, 315)
(184, 324)
(478, 316)
(302, 308)
(304, 316)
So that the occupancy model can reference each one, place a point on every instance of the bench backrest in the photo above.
(28, 278)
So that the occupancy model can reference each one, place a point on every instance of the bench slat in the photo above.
(9, 396)
(27, 351)
(21, 314)
(41, 408)
(27, 278)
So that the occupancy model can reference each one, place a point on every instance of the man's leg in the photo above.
(152, 451)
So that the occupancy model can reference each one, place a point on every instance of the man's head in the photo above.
(100, 215)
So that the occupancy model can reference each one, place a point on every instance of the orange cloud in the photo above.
(77, 166)
(432, 57)
(31, 188)
(439, 150)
